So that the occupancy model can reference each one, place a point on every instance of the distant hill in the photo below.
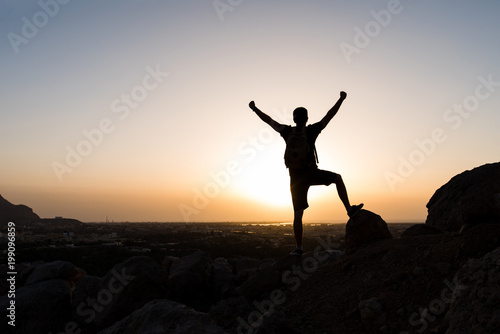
(19, 214)
(23, 215)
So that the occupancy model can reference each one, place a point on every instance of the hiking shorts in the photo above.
(301, 180)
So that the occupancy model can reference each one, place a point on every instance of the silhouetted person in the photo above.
(301, 160)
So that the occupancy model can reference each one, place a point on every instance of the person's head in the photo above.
(300, 116)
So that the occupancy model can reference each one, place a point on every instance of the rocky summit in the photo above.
(427, 279)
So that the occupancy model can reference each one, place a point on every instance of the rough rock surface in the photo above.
(372, 313)
(57, 269)
(189, 275)
(41, 307)
(125, 288)
(421, 229)
(469, 198)
(164, 316)
(364, 228)
(480, 239)
(476, 298)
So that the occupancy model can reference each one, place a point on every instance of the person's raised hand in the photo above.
(343, 95)
(252, 105)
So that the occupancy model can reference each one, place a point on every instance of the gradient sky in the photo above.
(138, 110)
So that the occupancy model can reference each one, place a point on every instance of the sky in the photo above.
(138, 110)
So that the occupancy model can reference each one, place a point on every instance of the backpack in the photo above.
(297, 150)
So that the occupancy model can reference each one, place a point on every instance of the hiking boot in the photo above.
(297, 252)
(354, 209)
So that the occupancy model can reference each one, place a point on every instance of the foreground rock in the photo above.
(480, 239)
(364, 228)
(421, 229)
(470, 198)
(476, 299)
(42, 307)
(125, 288)
(189, 275)
(164, 316)
(57, 269)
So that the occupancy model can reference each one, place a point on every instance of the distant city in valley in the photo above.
(98, 246)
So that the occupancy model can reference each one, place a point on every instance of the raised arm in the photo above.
(333, 111)
(275, 125)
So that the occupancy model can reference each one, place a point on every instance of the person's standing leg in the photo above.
(297, 227)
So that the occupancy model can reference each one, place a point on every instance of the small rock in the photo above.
(364, 228)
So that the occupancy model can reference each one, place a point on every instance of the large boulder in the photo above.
(475, 302)
(469, 198)
(269, 275)
(227, 311)
(221, 274)
(57, 269)
(261, 283)
(364, 228)
(189, 275)
(164, 316)
(125, 288)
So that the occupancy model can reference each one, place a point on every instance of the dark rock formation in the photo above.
(421, 229)
(221, 277)
(190, 274)
(475, 302)
(469, 198)
(260, 283)
(42, 307)
(227, 311)
(372, 313)
(269, 276)
(57, 269)
(480, 239)
(125, 288)
(364, 228)
(167, 263)
(19, 214)
(164, 316)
